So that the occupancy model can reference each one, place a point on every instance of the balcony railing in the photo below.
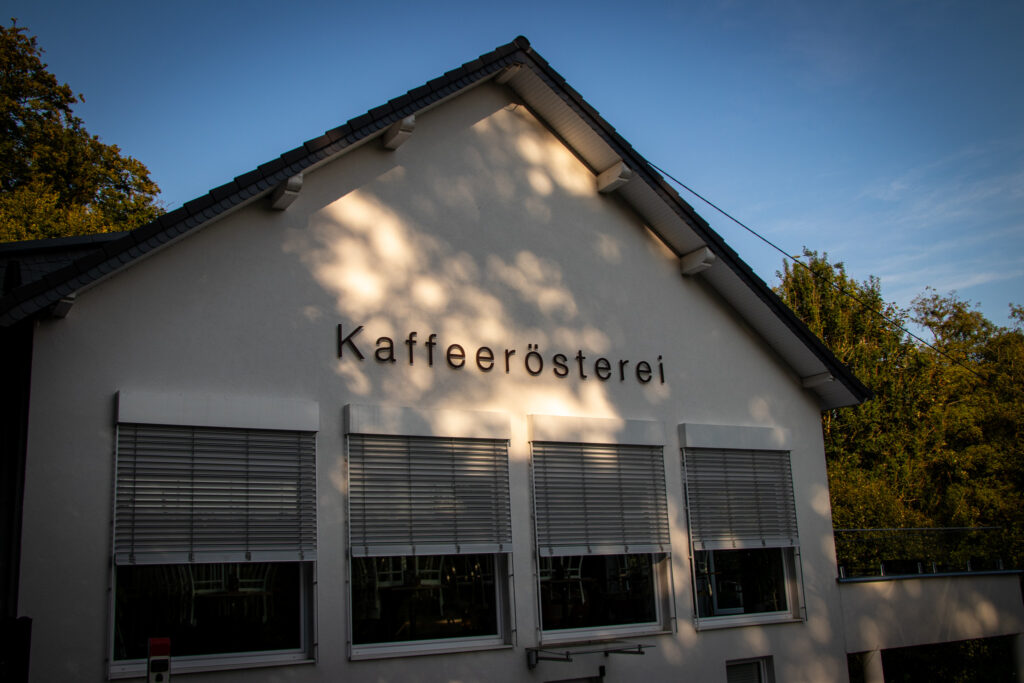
(914, 552)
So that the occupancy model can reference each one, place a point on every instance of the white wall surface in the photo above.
(484, 230)
(908, 612)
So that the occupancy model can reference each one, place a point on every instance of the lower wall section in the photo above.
(879, 615)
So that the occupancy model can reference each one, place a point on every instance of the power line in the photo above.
(815, 275)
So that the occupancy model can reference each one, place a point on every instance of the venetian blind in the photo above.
(599, 499)
(201, 494)
(743, 672)
(428, 495)
(740, 499)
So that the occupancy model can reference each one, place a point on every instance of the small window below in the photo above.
(750, 671)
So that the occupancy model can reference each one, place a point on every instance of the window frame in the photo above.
(661, 571)
(765, 666)
(411, 423)
(429, 646)
(228, 661)
(603, 434)
(783, 534)
(248, 414)
(793, 580)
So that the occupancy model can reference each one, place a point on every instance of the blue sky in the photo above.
(888, 133)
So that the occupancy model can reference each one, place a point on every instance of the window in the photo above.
(602, 537)
(743, 531)
(214, 540)
(429, 527)
(749, 581)
(750, 671)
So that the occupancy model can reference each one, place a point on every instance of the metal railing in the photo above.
(912, 552)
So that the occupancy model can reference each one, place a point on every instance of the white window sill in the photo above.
(427, 647)
(741, 620)
(579, 635)
(135, 668)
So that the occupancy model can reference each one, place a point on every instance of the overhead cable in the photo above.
(834, 285)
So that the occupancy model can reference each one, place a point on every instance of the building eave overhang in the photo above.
(592, 139)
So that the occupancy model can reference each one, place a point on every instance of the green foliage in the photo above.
(873, 481)
(55, 178)
(940, 444)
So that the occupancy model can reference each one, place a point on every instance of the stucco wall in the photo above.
(482, 229)
(907, 612)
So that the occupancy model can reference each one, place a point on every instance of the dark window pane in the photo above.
(208, 608)
(585, 591)
(397, 599)
(740, 581)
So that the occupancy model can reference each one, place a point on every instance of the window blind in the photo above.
(744, 672)
(599, 499)
(739, 499)
(200, 494)
(427, 495)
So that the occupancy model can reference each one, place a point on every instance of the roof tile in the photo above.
(340, 132)
(271, 167)
(181, 228)
(152, 243)
(420, 92)
(316, 144)
(85, 262)
(293, 155)
(249, 178)
(197, 205)
(224, 191)
(382, 111)
(401, 101)
(360, 121)
(170, 218)
(115, 250)
(439, 82)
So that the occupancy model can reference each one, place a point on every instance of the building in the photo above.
(460, 390)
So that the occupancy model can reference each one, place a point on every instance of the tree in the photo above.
(873, 477)
(977, 375)
(55, 178)
(941, 443)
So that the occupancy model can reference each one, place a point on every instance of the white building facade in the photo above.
(460, 391)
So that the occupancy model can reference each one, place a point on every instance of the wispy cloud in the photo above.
(955, 223)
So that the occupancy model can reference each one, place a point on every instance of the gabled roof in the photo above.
(24, 262)
(567, 115)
